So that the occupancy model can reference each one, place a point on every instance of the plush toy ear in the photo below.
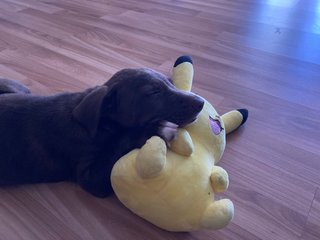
(89, 111)
(182, 73)
(234, 119)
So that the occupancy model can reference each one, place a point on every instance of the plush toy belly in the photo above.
(180, 197)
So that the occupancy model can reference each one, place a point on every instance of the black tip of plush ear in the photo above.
(88, 111)
(183, 59)
(244, 112)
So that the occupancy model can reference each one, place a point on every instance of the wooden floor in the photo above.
(260, 54)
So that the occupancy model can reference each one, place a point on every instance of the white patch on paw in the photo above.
(168, 131)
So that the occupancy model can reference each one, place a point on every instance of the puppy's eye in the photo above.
(153, 91)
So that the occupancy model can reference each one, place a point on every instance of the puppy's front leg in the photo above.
(168, 131)
(165, 130)
(12, 86)
(94, 177)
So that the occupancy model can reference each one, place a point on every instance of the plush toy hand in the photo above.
(151, 158)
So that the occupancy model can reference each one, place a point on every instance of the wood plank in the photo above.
(39, 5)
(312, 229)
(258, 54)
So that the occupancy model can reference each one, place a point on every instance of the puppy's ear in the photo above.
(88, 112)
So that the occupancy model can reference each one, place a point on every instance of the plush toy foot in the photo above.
(218, 214)
(151, 158)
(234, 119)
(219, 179)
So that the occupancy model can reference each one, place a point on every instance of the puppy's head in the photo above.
(136, 97)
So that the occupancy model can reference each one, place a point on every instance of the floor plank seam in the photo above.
(309, 211)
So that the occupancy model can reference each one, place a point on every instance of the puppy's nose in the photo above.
(197, 103)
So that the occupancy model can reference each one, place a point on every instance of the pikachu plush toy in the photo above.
(174, 188)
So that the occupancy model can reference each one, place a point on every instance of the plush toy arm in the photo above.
(219, 179)
(234, 119)
(182, 144)
(151, 158)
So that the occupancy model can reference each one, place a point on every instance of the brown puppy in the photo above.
(79, 136)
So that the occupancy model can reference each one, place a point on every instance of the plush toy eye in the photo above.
(215, 126)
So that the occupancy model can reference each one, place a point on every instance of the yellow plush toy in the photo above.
(175, 188)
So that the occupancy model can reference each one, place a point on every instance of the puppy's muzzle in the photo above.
(188, 107)
(196, 104)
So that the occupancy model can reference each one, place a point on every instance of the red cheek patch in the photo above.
(215, 126)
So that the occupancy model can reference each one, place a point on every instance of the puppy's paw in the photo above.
(168, 131)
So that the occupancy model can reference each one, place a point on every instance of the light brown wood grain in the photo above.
(261, 55)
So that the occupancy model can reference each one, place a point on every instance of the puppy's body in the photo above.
(79, 136)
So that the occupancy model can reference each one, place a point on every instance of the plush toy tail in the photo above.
(234, 119)
(182, 73)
